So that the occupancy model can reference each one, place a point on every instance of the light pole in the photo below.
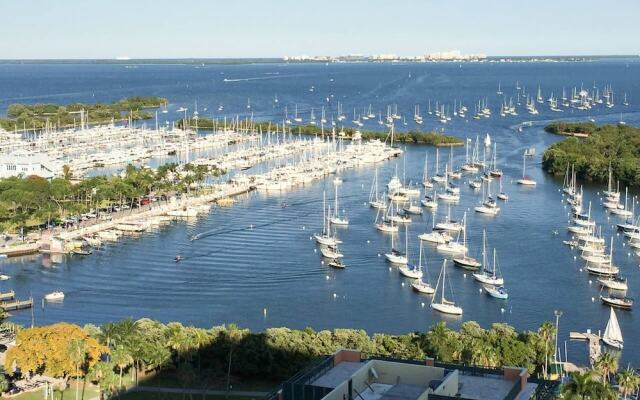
(558, 314)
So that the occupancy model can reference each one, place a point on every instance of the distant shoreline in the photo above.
(280, 60)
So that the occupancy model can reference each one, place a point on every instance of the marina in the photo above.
(261, 252)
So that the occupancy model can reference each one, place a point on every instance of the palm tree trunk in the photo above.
(120, 385)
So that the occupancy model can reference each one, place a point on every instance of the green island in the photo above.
(578, 129)
(31, 202)
(415, 137)
(618, 145)
(39, 116)
(117, 356)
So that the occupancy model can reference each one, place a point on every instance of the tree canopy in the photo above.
(618, 145)
(53, 350)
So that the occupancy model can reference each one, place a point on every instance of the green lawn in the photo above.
(169, 380)
(174, 396)
(68, 394)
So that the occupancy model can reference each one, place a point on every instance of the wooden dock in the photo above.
(16, 304)
(10, 295)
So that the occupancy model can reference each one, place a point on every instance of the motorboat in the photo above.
(54, 296)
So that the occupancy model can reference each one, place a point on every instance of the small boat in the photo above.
(612, 333)
(498, 292)
(337, 263)
(81, 252)
(4, 277)
(624, 303)
(177, 259)
(444, 306)
(54, 296)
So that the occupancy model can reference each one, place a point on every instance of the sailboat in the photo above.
(438, 178)
(430, 201)
(326, 239)
(502, 195)
(337, 219)
(386, 225)
(488, 205)
(498, 292)
(456, 247)
(488, 277)
(612, 333)
(525, 180)
(419, 285)
(444, 306)
(495, 171)
(409, 270)
(465, 261)
(374, 200)
(396, 256)
(426, 182)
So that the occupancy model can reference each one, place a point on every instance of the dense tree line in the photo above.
(416, 137)
(194, 355)
(618, 145)
(570, 128)
(33, 201)
(39, 116)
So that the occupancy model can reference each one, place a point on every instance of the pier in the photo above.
(10, 295)
(16, 304)
(592, 339)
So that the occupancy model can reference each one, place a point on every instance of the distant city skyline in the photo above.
(40, 29)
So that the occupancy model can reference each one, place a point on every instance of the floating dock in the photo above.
(16, 304)
(10, 295)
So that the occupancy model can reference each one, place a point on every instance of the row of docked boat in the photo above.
(588, 240)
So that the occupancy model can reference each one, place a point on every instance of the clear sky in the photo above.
(275, 28)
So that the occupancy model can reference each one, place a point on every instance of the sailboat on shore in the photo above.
(444, 306)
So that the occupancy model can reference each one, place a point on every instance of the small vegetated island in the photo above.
(598, 147)
(39, 116)
(416, 137)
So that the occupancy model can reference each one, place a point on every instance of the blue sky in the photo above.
(274, 28)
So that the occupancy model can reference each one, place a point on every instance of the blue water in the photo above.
(256, 255)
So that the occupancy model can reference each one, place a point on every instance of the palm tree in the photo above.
(606, 365)
(438, 341)
(122, 359)
(546, 332)
(587, 386)
(78, 354)
(628, 382)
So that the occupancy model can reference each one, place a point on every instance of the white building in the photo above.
(21, 163)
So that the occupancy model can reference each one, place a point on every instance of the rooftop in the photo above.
(346, 375)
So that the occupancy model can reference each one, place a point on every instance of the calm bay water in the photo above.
(256, 255)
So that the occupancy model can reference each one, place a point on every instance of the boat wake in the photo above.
(257, 78)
